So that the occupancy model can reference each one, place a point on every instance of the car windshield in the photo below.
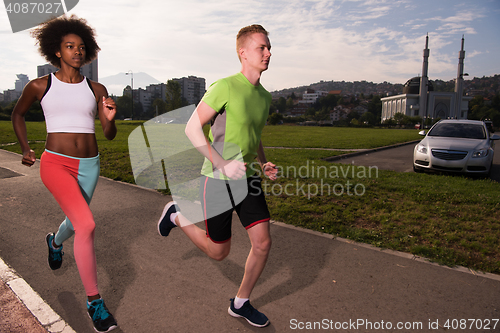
(468, 131)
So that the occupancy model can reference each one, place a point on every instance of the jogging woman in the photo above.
(69, 166)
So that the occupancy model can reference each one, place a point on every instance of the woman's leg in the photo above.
(60, 176)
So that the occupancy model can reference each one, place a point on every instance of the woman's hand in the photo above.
(29, 158)
(109, 108)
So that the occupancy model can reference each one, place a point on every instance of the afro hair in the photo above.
(49, 37)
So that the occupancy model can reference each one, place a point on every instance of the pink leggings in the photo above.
(72, 182)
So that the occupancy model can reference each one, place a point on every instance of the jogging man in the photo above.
(237, 107)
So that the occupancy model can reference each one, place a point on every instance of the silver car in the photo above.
(462, 146)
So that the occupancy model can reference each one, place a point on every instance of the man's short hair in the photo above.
(245, 32)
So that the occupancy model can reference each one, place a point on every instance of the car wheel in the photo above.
(417, 169)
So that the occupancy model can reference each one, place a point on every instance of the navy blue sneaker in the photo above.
(165, 224)
(101, 318)
(247, 311)
(55, 254)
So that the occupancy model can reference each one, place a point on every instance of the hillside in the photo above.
(485, 86)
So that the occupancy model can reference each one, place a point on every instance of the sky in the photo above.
(339, 40)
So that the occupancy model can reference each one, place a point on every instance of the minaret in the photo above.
(459, 83)
(424, 83)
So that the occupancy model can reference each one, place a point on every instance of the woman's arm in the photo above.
(31, 93)
(106, 107)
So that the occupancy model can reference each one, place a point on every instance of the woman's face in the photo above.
(72, 51)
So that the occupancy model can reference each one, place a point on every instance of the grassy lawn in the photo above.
(452, 220)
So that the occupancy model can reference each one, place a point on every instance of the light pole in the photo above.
(132, 86)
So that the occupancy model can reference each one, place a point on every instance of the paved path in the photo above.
(155, 285)
(397, 158)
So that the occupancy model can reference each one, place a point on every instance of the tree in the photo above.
(310, 112)
(352, 115)
(173, 96)
(159, 107)
(375, 106)
(368, 118)
(329, 101)
(275, 118)
(398, 118)
(124, 107)
(281, 105)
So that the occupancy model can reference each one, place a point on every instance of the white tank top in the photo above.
(69, 107)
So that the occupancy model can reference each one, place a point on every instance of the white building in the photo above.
(22, 80)
(420, 99)
(312, 96)
(339, 112)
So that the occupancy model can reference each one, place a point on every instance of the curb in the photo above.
(357, 153)
(406, 255)
(47, 317)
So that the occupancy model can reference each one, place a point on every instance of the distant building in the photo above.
(43, 70)
(157, 91)
(192, 88)
(311, 96)
(89, 70)
(144, 97)
(339, 112)
(360, 109)
(297, 110)
(420, 99)
(22, 80)
(11, 95)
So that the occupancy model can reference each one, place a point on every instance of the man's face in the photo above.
(257, 51)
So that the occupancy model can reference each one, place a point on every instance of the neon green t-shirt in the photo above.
(242, 114)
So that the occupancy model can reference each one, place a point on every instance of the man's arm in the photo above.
(194, 130)
(268, 168)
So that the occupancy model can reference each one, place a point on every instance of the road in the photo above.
(401, 159)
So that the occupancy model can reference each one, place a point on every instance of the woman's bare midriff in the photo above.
(82, 145)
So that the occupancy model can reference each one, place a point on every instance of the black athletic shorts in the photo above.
(219, 198)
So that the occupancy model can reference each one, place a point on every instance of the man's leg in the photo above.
(240, 306)
(260, 238)
(198, 236)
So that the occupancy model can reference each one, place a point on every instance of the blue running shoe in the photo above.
(165, 224)
(101, 318)
(247, 311)
(55, 254)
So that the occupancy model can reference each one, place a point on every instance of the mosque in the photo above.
(420, 99)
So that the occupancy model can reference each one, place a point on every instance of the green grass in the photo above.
(334, 137)
(452, 220)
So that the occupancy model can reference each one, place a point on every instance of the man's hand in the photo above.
(233, 169)
(270, 170)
